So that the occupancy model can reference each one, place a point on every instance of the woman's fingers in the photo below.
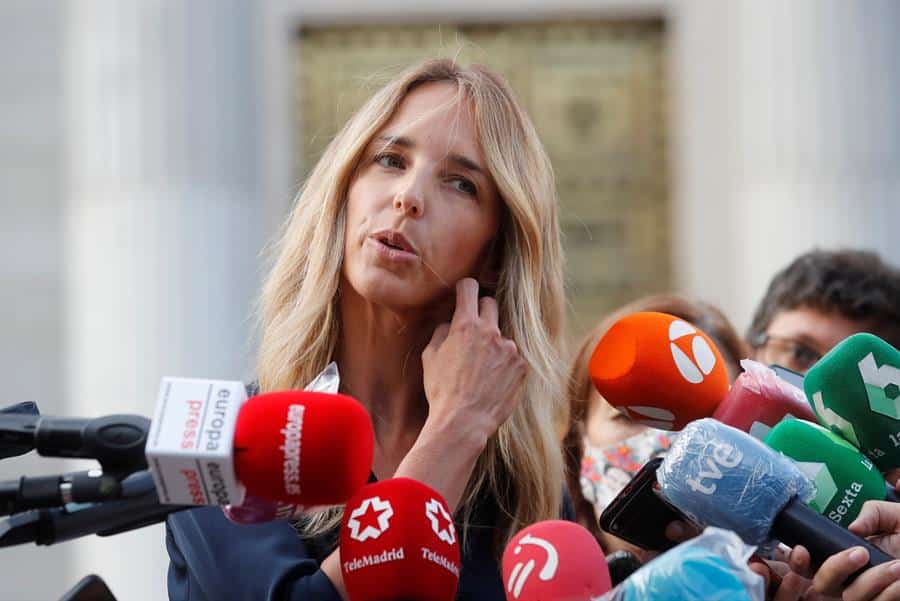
(829, 579)
(466, 301)
(488, 311)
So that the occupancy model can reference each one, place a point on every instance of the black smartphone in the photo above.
(788, 375)
(639, 514)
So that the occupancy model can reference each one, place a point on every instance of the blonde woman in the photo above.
(423, 256)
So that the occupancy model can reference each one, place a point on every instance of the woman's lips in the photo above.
(391, 253)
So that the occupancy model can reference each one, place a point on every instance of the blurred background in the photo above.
(149, 150)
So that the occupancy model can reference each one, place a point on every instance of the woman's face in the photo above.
(422, 207)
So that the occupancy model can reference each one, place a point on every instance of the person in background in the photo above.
(602, 448)
(821, 298)
(423, 256)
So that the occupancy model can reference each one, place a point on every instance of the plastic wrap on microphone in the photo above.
(720, 476)
(710, 567)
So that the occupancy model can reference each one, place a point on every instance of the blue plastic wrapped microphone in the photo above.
(720, 476)
(710, 567)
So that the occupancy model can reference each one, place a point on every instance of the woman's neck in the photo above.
(379, 355)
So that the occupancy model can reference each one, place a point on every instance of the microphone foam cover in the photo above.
(303, 448)
(855, 391)
(844, 477)
(759, 399)
(552, 560)
(712, 567)
(659, 370)
(720, 476)
(397, 542)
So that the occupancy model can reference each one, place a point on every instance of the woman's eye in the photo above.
(391, 161)
(463, 185)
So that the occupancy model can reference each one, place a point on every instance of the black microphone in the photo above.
(139, 507)
(116, 441)
(11, 449)
(52, 491)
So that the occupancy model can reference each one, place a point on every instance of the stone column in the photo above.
(160, 213)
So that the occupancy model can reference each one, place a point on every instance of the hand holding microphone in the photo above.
(721, 476)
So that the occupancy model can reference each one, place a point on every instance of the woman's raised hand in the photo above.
(473, 375)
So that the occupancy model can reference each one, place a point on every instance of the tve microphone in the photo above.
(116, 441)
(398, 543)
(759, 399)
(855, 391)
(844, 477)
(208, 445)
(554, 560)
(709, 567)
(720, 476)
(659, 370)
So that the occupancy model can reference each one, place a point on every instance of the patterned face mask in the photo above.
(606, 470)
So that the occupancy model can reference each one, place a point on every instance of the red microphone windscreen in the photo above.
(659, 370)
(305, 448)
(554, 560)
(398, 542)
(759, 399)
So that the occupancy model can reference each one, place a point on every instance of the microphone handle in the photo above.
(799, 524)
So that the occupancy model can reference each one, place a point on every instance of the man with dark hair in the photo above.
(821, 298)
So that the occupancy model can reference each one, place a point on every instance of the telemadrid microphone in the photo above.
(209, 445)
(398, 543)
(855, 391)
(759, 399)
(554, 560)
(711, 567)
(720, 476)
(659, 370)
(844, 477)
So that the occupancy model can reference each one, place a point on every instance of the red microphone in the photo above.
(307, 448)
(759, 399)
(398, 543)
(659, 370)
(554, 560)
(208, 445)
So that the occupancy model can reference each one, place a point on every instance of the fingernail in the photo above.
(895, 569)
(858, 555)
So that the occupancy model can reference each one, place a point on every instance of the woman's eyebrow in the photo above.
(461, 160)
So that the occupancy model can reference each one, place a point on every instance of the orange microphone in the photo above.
(659, 370)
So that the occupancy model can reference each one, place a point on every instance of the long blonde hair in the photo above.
(521, 466)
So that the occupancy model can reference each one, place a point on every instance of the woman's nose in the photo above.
(409, 201)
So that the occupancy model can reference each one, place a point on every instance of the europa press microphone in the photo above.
(723, 477)
(208, 445)
(554, 560)
(398, 543)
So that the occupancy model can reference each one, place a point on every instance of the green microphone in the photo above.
(844, 477)
(855, 391)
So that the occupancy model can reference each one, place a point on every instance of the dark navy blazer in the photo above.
(212, 559)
